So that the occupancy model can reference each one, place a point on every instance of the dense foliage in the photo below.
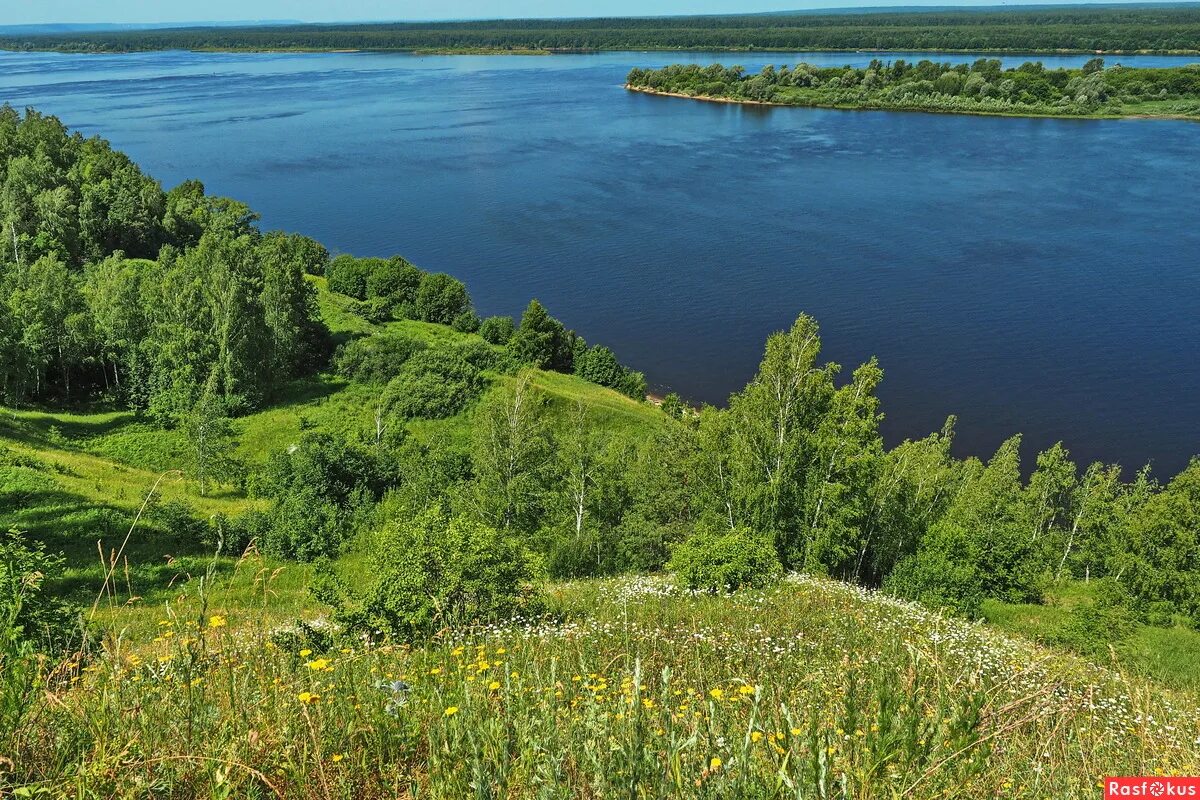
(979, 88)
(1083, 29)
(111, 287)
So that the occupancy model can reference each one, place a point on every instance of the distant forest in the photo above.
(1090, 29)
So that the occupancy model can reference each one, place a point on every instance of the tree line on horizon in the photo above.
(1079, 29)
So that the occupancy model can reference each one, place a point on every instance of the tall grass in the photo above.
(632, 688)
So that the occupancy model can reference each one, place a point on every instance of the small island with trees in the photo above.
(983, 87)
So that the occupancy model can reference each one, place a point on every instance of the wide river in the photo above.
(1029, 275)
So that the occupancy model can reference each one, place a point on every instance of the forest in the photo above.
(220, 406)
(1174, 29)
(983, 87)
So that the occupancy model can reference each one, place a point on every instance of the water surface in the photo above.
(1027, 275)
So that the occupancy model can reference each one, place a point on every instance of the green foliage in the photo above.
(395, 280)
(466, 322)
(28, 611)
(726, 561)
(979, 88)
(320, 487)
(1017, 30)
(433, 571)
(599, 365)
(542, 341)
(433, 384)
(348, 275)
(497, 330)
(376, 359)
(441, 298)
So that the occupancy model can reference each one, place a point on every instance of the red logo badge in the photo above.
(1152, 787)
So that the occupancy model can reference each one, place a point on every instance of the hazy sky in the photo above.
(16, 12)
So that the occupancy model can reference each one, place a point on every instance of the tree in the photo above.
(441, 298)
(435, 571)
(212, 442)
(542, 341)
(394, 279)
(497, 330)
(770, 429)
(511, 455)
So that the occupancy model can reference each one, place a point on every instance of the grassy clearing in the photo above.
(632, 688)
(1167, 655)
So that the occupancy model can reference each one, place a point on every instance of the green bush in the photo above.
(934, 578)
(466, 322)
(726, 561)
(434, 384)
(394, 280)
(376, 359)
(497, 330)
(348, 275)
(431, 572)
(321, 486)
(28, 612)
(441, 298)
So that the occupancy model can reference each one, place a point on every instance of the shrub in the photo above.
(441, 298)
(348, 275)
(434, 384)
(432, 572)
(726, 561)
(376, 359)
(466, 322)
(934, 578)
(497, 330)
(394, 280)
(179, 519)
(27, 611)
(320, 487)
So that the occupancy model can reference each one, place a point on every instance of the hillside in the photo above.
(812, 688)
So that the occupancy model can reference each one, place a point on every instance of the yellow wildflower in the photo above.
(714, 764)
(451, 711)
(319, 665)
(494, 685)
(308, 698)
(305, 653)
(716, 694)
(217, 621)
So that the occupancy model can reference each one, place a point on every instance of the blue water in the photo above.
(1040, 276)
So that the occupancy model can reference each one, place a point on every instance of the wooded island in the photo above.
(983, 87)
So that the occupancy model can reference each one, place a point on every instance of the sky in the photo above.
(21, 12)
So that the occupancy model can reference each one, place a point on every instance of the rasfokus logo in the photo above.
(1150, 786)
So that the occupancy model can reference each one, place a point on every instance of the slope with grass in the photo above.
(630, 688)
(76, 481)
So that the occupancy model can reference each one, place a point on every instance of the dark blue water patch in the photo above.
(1025, 274)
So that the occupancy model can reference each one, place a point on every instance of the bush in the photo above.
(441, 298)
(542, 341)
(376, 359)
(434, 384)
(348, 275)
(433, 572)
(726, 561)
(933, 578)
(466, 322)
(497, 330)
(394, 280)
(28, 612)
(179, 519)
(320, 487)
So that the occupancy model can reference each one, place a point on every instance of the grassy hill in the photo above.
(76, 480)
(630, 688)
